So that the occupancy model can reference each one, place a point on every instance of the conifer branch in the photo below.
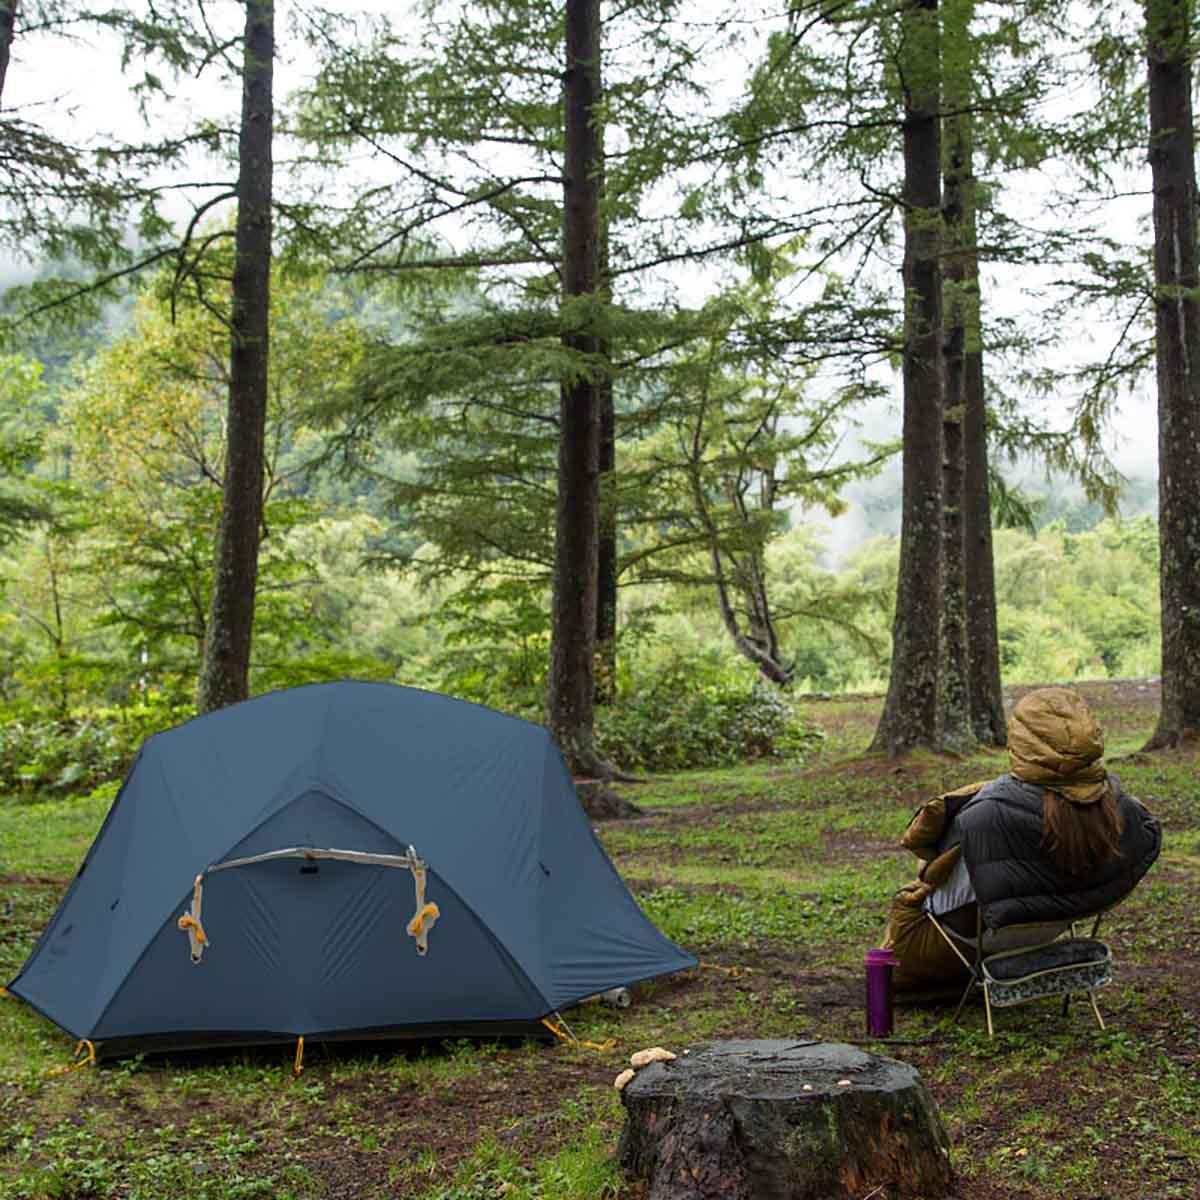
(92, 286)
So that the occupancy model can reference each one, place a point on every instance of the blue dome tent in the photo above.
(338, 861)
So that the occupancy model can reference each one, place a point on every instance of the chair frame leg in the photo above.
(972, 967)
(962, 1002)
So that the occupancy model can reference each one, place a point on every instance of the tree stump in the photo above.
(775, 1120)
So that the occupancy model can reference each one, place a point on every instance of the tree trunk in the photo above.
(8, 16)
(910, 713)
(954, 730)
(761, 645)
(751, 577)
(571, 691)
(789, 1120)
(742, 578)
(602, 802)
(954, 698)
(983, 636)
(1177, 332)
(606, 597)
(962, 272)
(225, 674)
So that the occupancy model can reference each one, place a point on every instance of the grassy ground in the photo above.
(778, 874)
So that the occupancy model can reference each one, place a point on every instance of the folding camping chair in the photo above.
(1026, 962)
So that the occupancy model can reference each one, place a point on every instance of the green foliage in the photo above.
(719, 435)
(440, 387)
(1072, 605)
(496, 644)
(750, 916)
(89, 211)
(47, 755)
(1078, 606)
(23, 396)
(145, 429)
(79, 691)
(91, 747)
(675, 707)
(729, 437)
(76, 1161)
(582, 1170)
(689, 712)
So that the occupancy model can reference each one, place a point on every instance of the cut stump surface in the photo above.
(784, 1120)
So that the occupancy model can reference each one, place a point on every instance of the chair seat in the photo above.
(1071, 965)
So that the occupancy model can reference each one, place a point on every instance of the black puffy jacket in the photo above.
(1014, 881)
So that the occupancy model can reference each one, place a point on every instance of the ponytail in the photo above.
(1079, 838)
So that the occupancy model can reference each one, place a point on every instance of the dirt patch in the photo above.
(520, 1108)
(640, 885)
(855, 844)
(876, 766)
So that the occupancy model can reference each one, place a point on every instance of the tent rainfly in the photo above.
(341, 860)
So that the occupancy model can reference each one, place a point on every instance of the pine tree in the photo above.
(571, 686)
(739, 440)
(514, 296)
(225, 675)
(983, 639)
(1169, 49)
(910, 715)
(608, 550)
(839, 124)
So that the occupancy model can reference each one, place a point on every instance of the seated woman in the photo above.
(1055, 839)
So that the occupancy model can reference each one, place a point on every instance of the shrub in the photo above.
(689, 711)
(49, 754)
(91, 747)
(699, 713)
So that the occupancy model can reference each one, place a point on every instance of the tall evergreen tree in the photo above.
(961, 291)
(748, 440)
(224, 677)
(423, 113)
(993, 73)
(571, 688)
(910, 715)
(1169, 49)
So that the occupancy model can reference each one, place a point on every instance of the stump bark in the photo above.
(773, 1120)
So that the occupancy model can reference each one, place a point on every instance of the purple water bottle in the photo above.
(879, 964)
